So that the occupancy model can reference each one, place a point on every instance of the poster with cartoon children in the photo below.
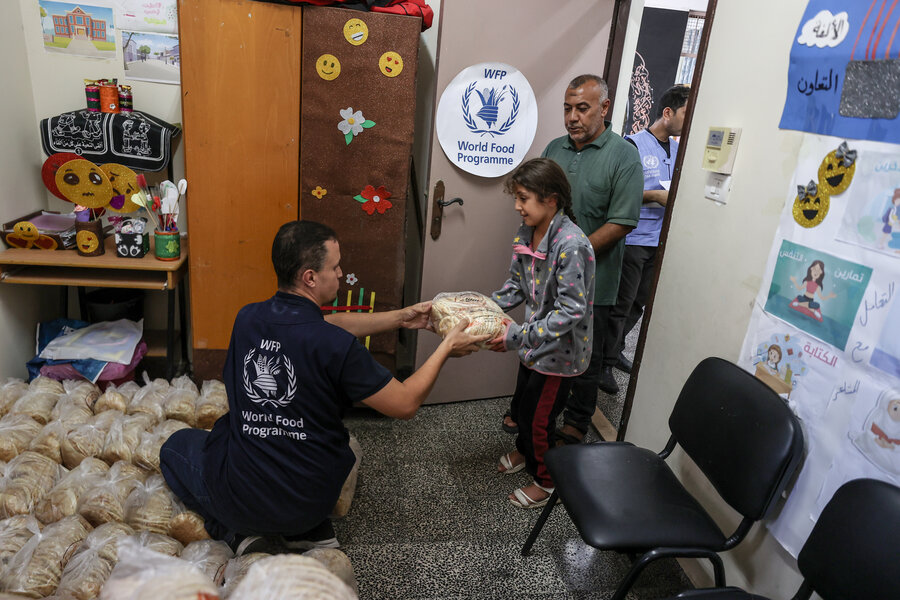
(872, 216)
(817, 292)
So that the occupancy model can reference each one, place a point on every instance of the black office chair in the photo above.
(621, 497)
(851, 551)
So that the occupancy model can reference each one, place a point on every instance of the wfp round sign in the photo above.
(486, 119)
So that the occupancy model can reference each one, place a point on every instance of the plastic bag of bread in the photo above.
(210, 556)
(212, 403)
(29, 476)
(45, 384)
(90, 566)
(35, 569)
(157, 542)
(48, 441)
(37, 405)
(289, 576)
(87, 439)
(104, 502)
(123, 437)
(11, 390)
(150, 400)
(81, 392)
(236, 569)
(111, 399)
(150, 505)
(142, 574)
(484, 315)
(147, 453)
(181, 404)
(14, 533)
(62, 500)
(186, 526)
(75, 406)
(338, 563)
(16, 433)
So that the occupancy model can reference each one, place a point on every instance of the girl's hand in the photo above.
(498, 343)
(462, 343)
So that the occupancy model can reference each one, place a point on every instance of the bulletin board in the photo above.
(357, 115)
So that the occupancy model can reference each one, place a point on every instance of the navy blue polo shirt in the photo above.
(277, 461)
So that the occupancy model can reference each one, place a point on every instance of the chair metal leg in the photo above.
(545, 514)
(657, 553)
(718, 569)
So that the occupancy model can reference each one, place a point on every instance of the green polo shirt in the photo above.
(607, 182)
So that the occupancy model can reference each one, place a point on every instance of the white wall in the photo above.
(715, 255)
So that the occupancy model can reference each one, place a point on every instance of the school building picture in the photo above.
(79, 24)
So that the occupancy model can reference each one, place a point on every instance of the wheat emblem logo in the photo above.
(490, 109)
(263, 388)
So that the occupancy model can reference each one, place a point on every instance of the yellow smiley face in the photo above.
(356, 31)
(124, 183)
(810, 210)
(390, 64)
(328, 67)
(87, 241)
(84, 183)
(26, 230)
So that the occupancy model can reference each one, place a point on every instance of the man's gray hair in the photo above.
(583, 79)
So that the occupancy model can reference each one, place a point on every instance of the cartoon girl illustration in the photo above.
(811, 284)
(891, 219)
(773, 357)
(879, 441)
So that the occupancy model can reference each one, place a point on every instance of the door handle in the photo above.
(437, 211)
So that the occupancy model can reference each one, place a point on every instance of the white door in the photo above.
(550, 43)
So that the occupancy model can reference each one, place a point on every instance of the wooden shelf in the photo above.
(156, 342)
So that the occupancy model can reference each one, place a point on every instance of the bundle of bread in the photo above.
(483, 314)
(143, 574)
(287, 576)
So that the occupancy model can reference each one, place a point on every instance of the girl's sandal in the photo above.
(508, 467)
(523, 500)
(514, 428)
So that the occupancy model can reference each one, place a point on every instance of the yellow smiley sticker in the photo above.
(390, 64)
(356, 31)
(328, 67)
(87, 241)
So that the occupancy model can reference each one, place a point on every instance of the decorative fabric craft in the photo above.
(51, 166)
(811, 205)
(84, 183)
(410, 8)
(373, 199)
(135, 139)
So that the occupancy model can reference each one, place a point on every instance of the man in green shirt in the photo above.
(607, 182)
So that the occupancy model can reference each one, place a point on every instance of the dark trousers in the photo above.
(582, 401)
(181, 462)
(638, 266)
(536, 403)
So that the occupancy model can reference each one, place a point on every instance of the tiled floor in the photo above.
(430, 518)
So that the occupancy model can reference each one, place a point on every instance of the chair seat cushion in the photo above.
(622, 497)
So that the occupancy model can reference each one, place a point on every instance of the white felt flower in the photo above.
(352, 121)
(351, 279)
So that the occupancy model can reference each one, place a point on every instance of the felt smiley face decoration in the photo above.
(87, 241)
(810, 205)
(328, 67)
(356, 32)
(84, 183)
(837, 169)
(390, 64)
(51, 166)
(124, 183)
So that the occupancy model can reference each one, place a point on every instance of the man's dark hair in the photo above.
(583, 79)
(545, 178)
(675, 97)
(298, 246)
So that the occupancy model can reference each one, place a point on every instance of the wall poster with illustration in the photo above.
(825, 328)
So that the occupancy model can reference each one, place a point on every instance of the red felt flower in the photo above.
(375, 199)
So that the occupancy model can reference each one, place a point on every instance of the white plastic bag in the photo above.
(142, 574)
(111, 341)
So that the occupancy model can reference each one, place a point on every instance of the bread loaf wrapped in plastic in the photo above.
(37, 405)
(210, 556)
(111, 399)
(150, 505)
(142, 574)
(212, 404)
(87, 439)
(289, 576)
(45, 384)
(181, 400)
(62, 500)
(76, 406)
(236, 569)
(123, 437)
(14, 532)
(147, 453)
(35, 569)
(16, 434)
(150, 400)
(104, 502)
(82, 392)
(484, 315)
(49, 440)
(186, 526)
(90, 566)
(29, 477)
(158, 543)
(11, 390)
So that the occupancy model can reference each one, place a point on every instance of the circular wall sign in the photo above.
(486, 119)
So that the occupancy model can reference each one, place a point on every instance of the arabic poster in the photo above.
(817, 292)
(844, 72)
(78, 29)
(151, 57)
(157, 16)
(840, 374)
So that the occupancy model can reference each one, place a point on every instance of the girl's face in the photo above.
(535, 211)
(815, 271)
(773, 355)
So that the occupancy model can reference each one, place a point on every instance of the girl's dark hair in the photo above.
(298, 246)
(545, 178)
(821, 277)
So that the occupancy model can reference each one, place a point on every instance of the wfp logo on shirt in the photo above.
(491, 99)
(269, 379)
(650, 162)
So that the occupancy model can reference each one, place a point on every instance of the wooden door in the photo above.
(240, 77)
(549, 43)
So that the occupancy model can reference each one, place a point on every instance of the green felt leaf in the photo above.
(359, 198)
(367, 123)
(348, 137)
